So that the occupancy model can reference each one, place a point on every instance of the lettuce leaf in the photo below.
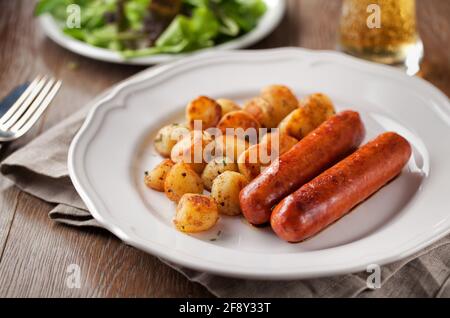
(244, 13)
(201, 24)
(184, 34)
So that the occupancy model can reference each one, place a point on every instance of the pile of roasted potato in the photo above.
(229, 169)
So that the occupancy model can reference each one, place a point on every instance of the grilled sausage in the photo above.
(335, 192)
(319, 150)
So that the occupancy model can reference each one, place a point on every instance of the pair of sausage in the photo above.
(316, 204)
(317, 151)
(336, 191)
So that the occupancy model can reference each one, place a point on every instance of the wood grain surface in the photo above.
(34, 251)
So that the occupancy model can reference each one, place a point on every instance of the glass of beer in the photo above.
(382, 31)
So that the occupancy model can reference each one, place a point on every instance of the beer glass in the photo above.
(382, 31)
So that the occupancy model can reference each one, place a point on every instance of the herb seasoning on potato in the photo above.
(225, 190)
(155, 178)
(167, 137)
(196, 213)
(216, 167)
(203, 109)
(314, 110)
(180, 180)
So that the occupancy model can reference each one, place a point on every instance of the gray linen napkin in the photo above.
(40, 169)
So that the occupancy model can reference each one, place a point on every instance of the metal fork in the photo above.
(28, 108)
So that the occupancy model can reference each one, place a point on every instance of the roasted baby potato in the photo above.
(258, 157)
(230, 146)
(319, 106)
(262, 111)
(276, 139)
(168, 136)
(238, 119)
(182, 179)
(225, 190)
(196, 213)
(296, 124)
(205, 109)
(282, 100)
(314, 111)
(227, 105)
(215, 167)
(191, 149)
(254, 160)
(155, 178)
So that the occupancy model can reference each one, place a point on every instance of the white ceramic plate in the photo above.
(108, 157)
(270, 20)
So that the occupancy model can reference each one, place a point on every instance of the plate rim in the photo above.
(153, 72)
(270, 21)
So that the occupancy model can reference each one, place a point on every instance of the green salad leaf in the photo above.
(139, 28)
(196, 32)
(245, 13)
(135, 12)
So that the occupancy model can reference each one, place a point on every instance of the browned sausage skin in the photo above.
(335, 192)
(320, 149)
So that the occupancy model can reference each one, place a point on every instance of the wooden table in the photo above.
(34, 251)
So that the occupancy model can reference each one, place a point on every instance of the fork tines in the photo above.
(29, 107)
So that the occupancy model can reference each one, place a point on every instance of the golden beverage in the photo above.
(383, 31)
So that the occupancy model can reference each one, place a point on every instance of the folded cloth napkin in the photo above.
(40, 168)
